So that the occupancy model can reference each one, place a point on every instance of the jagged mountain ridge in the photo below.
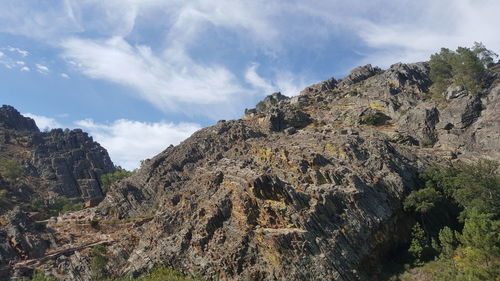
(301, 188)
(56, 163)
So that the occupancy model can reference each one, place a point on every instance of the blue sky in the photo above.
(139, 75)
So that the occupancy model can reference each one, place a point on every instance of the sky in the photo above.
(139, 75)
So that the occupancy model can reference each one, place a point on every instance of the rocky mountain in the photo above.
(43, 167)
(301, 188)
(56, 163)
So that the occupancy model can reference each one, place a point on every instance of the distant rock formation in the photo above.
(56, 163)
(11, 119)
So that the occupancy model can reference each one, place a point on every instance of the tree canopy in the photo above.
(464, 67)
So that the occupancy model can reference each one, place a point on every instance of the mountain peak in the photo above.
(10, 118)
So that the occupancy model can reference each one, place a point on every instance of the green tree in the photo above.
(448, 241)
(441, 70)
(420, 245)
(477, 186)
(108, 179)
(470, 251)
(467, 70)
(464, 67)
(423, 200)
(481, 231)
(486, 56)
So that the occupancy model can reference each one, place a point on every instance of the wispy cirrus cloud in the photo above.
(165, 81)
(105, 41)
(284, 82)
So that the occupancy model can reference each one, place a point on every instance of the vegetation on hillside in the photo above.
(156, 274)
(108, 179)
(457, 234)
(53, 207)
(11, 170)
(464, 67)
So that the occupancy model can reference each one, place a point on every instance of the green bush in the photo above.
(164, 273)
(108, 179)
(11, 170)
(376, 119)
(94, 223)
(160, 274)
(464, 67)
(469, 249)
(39, 276)
(98, 263)
(58, 205)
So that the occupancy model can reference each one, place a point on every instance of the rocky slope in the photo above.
(302, 188)
(56, 163)
(51, 165)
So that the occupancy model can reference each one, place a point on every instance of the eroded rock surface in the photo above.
(56, 163)
(302, 188)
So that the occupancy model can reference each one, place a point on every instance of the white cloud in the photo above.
(25, 69)
(21, 52)
(434, 24)
(165, 73)
(43, 122)
(164, 81)
(38, 19)
(254, 79)
(284, 81)
(64, 75)
(128, 142)
(42, 68)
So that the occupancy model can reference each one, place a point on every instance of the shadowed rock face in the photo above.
(10, 118)
(302, 188)
(56, 163)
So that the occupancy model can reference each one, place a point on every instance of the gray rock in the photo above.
(359, 74)
(10, 118)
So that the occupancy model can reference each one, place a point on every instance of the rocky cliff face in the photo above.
(56, 163)
(302, 188)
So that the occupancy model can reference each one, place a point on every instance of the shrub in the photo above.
(11, 170)
(98, 263)
(94, 223)
(108, 179)
(469, 241)
(58, 205)
(164, 273)
(39, 276)
(376, 119)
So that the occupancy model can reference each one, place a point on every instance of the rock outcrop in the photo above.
(302, 188)
(56, 163)
(10, 118)
(52, 164)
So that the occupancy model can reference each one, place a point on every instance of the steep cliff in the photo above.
(56, 163)
(43, 167)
